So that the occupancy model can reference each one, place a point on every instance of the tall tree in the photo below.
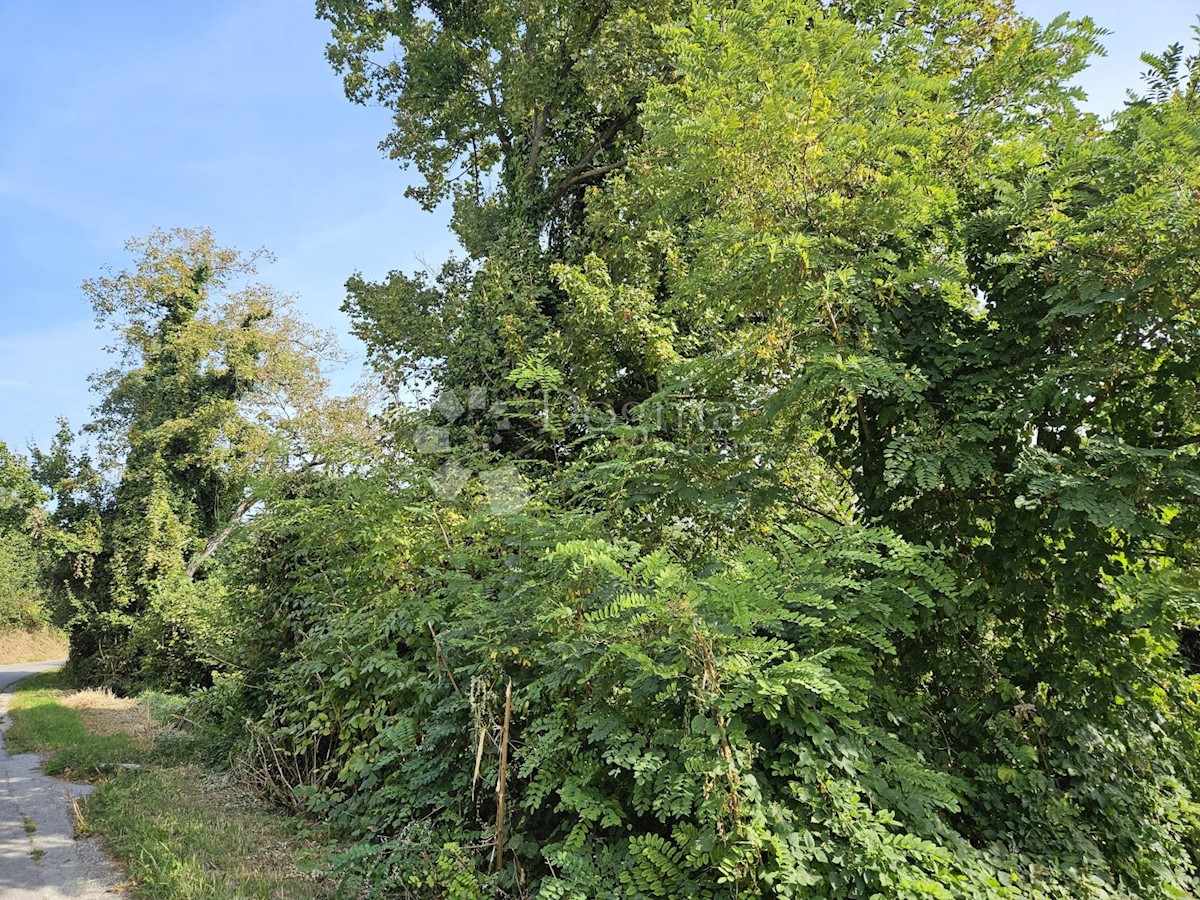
(217, 386)
(512, 113)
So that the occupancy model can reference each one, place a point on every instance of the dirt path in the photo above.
(39, 856)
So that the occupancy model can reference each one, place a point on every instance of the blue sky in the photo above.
(120, 117)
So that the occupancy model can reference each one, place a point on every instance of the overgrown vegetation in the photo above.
(217, 387)
(793, 490)
(181, 834)
(26, 632)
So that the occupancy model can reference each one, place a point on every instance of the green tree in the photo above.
(511, 113)
(217, 387)
(67, 529)
(21, 599)
(19, 493)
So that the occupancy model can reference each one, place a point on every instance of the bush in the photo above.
(768, 723)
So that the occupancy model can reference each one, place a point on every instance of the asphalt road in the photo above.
(39, 856)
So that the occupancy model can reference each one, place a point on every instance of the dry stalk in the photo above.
(483, 722)
(478, 759)
(76, 813)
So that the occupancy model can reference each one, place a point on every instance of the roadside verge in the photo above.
(178, 828)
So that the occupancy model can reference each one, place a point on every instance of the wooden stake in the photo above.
(502, 778)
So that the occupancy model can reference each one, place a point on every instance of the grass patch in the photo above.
(22, 645)
(41, 723)
(181, 831)
(187, 834)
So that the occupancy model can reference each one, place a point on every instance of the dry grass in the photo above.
(103, 712)
(32, 645)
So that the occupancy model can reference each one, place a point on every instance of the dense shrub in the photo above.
(852, 369)
(776, 723)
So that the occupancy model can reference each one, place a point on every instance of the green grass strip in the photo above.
(41, 724)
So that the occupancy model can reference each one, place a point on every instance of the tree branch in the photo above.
(559, 192)
(535, 144)
(583, 169)
(502, 134)
(569, 59)
(215, 542)
(1180, 443)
